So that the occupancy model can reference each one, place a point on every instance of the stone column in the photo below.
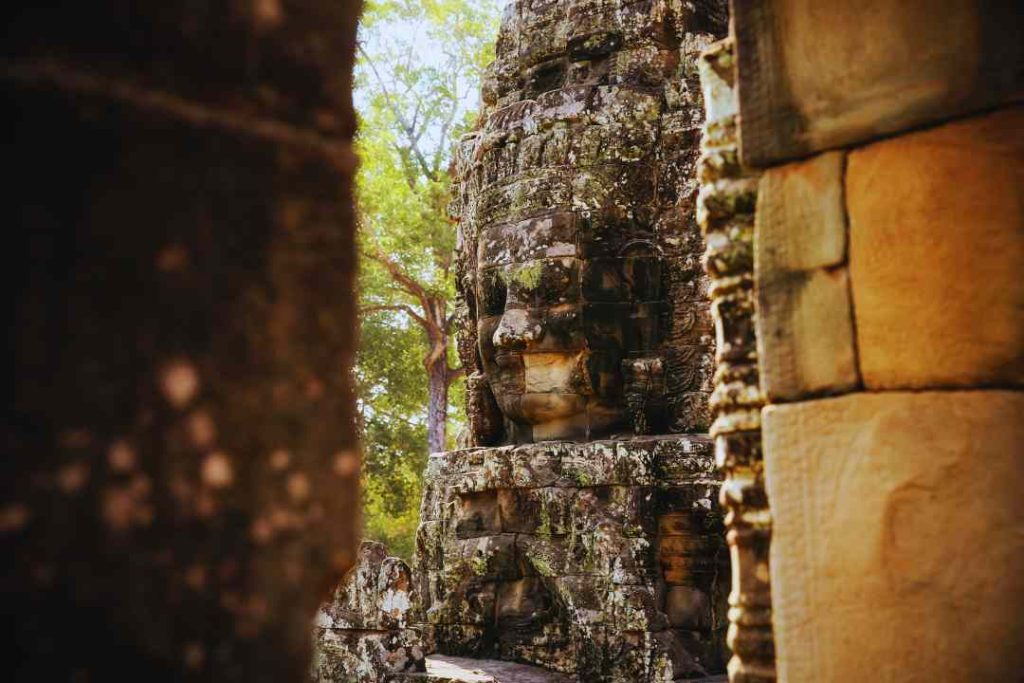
(889, 252)
(180, 479)
(726, 214)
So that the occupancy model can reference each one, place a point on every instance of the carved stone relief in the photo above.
(579, 280)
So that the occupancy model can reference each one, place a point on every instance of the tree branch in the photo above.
(408, 285)
(454, 373)
(398, 308)
(409, 132)
(405, 282)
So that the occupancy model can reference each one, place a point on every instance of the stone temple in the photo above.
(863, 238)
(580, 279)
(577, 528)
(840, 455)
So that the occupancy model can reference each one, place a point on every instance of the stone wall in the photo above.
(889, 248)
(365, 631)
(181, 467)
(604, 560)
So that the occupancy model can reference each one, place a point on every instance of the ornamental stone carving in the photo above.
(579, 277)
(577, 526)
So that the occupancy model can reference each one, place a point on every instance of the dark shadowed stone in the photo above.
(181, 459)
(479, 515)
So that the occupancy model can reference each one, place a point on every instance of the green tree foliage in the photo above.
(417, 80)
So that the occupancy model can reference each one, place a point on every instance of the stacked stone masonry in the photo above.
(365, 631)
(585, 317)
(891, 332)
(726, 213)
(603, 560)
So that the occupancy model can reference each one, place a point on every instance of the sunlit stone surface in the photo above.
(580, 286)
(577, 528)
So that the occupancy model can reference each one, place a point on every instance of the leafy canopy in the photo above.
(417, 78)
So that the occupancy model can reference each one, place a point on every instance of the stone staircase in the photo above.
(443, 669)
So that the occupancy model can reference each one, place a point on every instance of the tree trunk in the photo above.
(437, 404)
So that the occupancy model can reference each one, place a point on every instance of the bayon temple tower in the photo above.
(737, 318)
(577, 527)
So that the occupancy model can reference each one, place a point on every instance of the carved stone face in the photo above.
(556, 319)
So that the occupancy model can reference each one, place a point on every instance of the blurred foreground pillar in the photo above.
(181, 469)
(889, 247)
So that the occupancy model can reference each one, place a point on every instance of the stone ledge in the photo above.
(442, 669)
(640, 461)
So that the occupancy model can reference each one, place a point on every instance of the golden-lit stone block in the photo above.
(800, 221)
(823, 75)
(805, 325)
(937, 255)
(898, 542)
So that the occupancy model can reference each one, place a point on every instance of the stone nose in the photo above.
(516, 330)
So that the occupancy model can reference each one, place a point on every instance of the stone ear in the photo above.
(486, 423)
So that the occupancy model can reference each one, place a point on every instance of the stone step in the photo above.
(444, 669)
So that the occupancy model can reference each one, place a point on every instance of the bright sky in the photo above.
(405, 41)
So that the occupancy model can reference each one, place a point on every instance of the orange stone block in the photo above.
(937, 255)
(898, 539)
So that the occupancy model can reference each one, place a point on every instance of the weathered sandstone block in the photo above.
(937, 255)
(801, 221)
(816, 76)
(365, 631)
(806, 336)
(898, 545)
(804, 322)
